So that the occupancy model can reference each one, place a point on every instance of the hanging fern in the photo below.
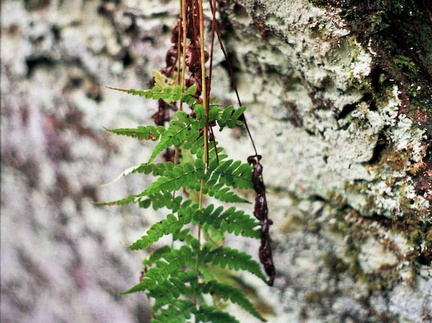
(173, 274)
(181, 278)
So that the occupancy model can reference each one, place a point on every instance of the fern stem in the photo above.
(204, 95)
(183, 28)
(204, 92)
(179, 62)
(205, 105)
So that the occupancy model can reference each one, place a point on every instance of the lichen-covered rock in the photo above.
(63, 259)
(342, 133)
(339, 106)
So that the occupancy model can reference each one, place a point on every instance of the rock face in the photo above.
(338, 99)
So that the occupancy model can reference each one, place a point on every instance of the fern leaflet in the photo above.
(231, 173)
(178, 311)
(228, 292)
(212, 314)
(146, 133)
(180, 176)
(167, 93)
(231, 221)
(181, 132)
(231, 258)
(167, 265)
(170, 225)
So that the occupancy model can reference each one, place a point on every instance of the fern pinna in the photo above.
(184, 279)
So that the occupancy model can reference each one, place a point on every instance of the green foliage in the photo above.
(177, 312)
(231, 293)
(230, 221)
(146, 133)
(223, 194)
(230, 117)
(167, 93)
(231, 258)
(212, 314)
(231, 173)
(185, 131)
(179, 278)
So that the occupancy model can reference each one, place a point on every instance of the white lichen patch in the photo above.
(394, 185)
(314, 53)
(337, 66)
(322, 72)
(373, 256)
(413, 305)
(408, 137)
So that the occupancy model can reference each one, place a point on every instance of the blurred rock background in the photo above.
(346, 166)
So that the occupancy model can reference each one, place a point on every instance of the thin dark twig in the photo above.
(260, 209)
(213, 28)
(231, 74)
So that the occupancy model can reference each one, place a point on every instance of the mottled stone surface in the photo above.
(339, 150)
(346, 165)
(63, 259)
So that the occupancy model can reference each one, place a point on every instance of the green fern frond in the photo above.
(171, 289)
(228, 172)
(148, 94)
(154, 169)
(230, 117)
(181, 132)
(225, 116)
(231, 258)
(231, 221)
(219, 192)
(167, 93)
(211, 314)
(167, 289)
(223, 194)
(124, 201)
(163, 291)
(233, 294)
(178, 311)
(173, 179)
(170, 225)
(188, 96)
(182, 235)
(179, 279)
(185, 131)
(231, 173)
(160, 200)
(214, 155)
(155, 93)
(180, 176)
(168, 265)
(141, 132)
(174, 261)
(156, 255)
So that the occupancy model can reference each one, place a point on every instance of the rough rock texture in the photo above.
(332, 98)
(339, 104)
